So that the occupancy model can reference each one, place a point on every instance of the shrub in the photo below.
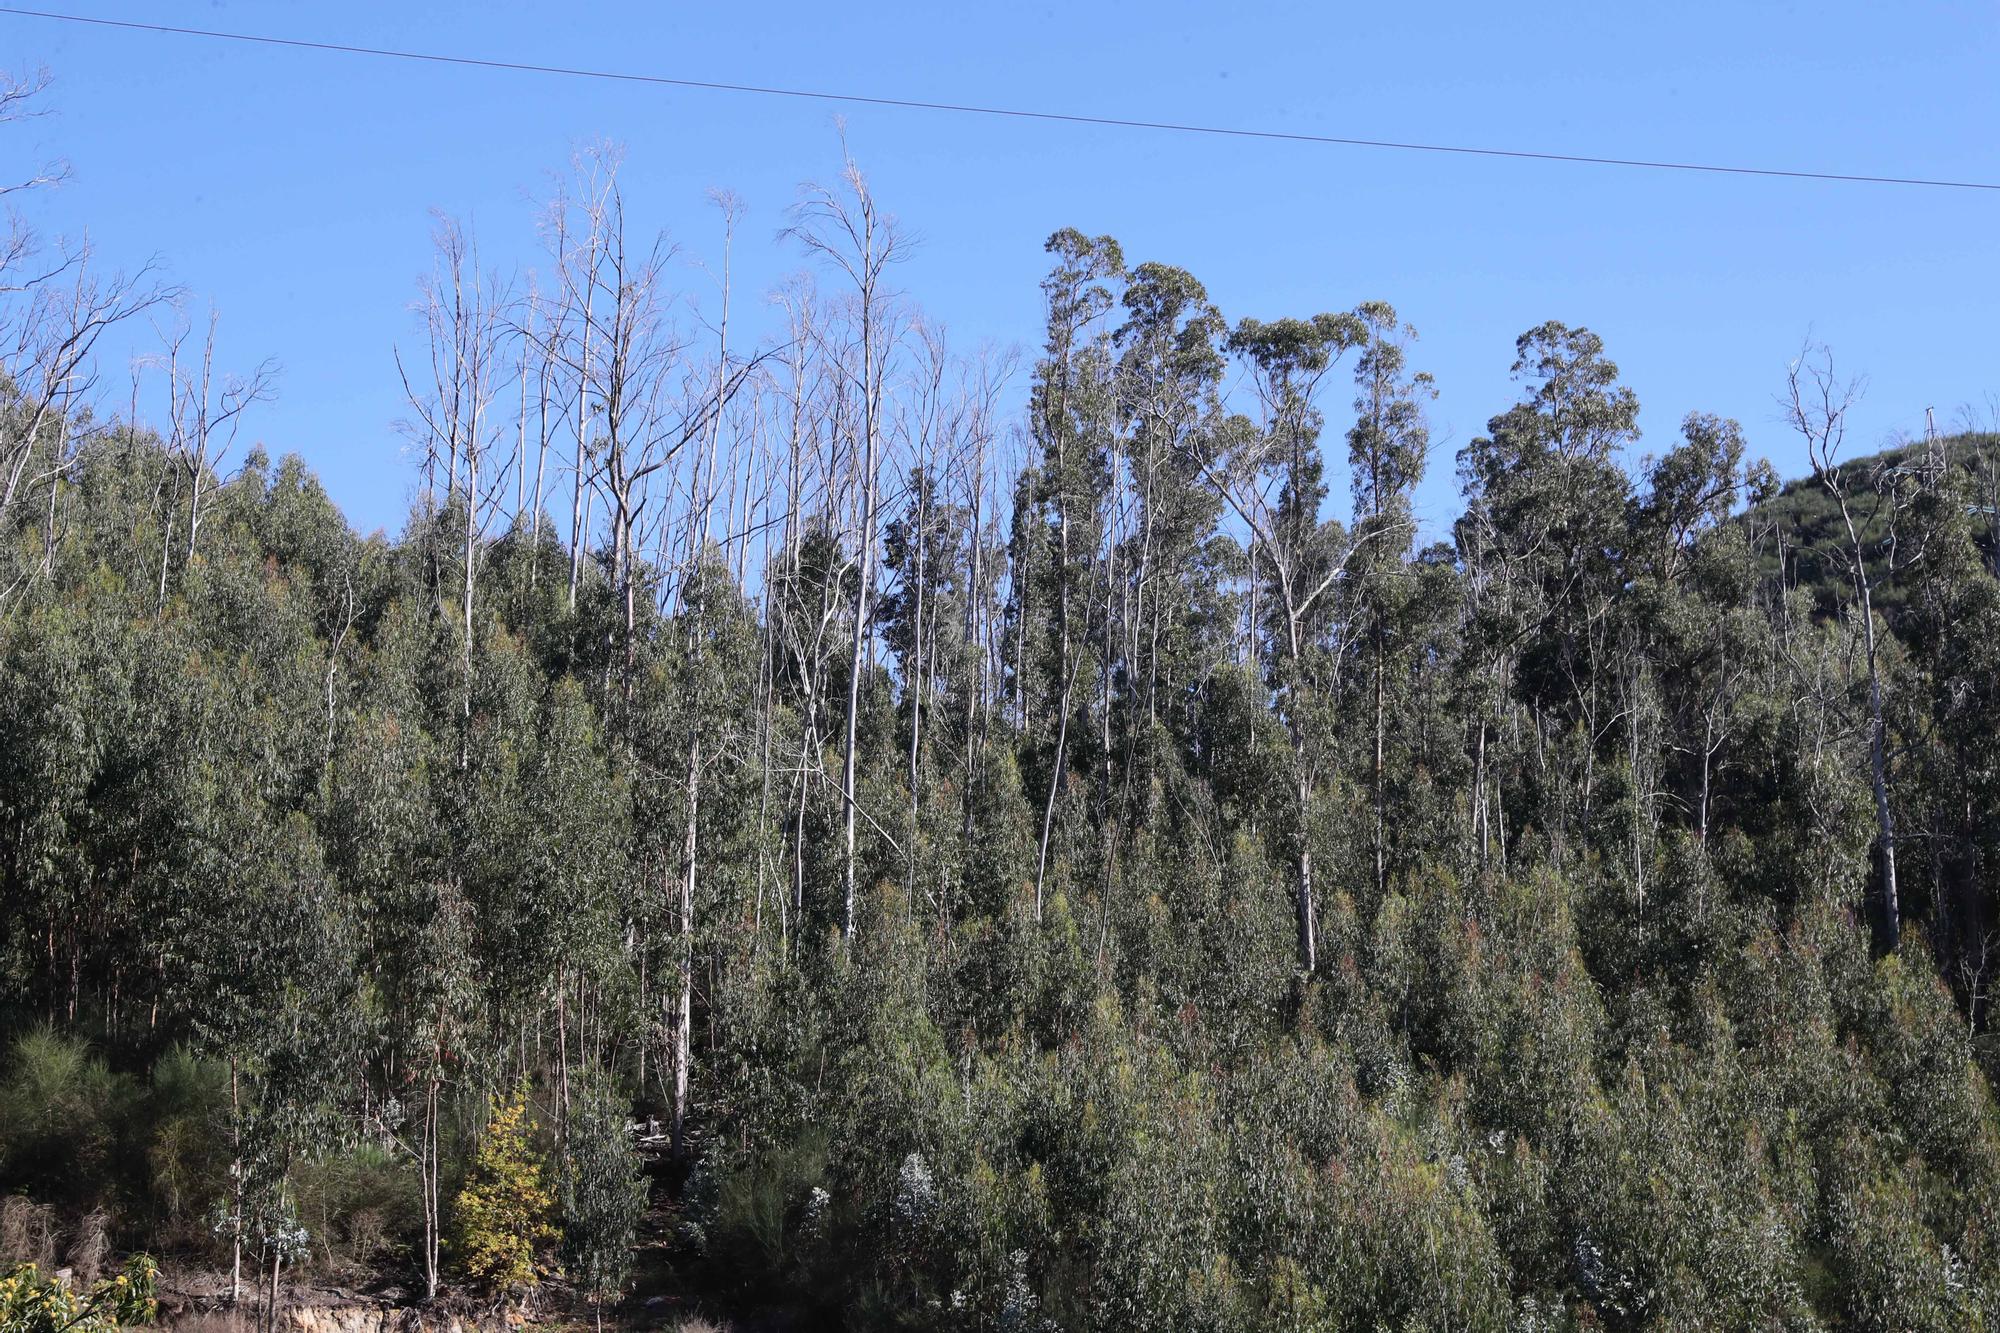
(32, 1301)
(502, 1213)
(764, 1209)
(362, 1203)
(59, 1106)
(186, 1148)
(603, 1193)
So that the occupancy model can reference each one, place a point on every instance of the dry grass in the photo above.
(27, 1233)
(91, 1245)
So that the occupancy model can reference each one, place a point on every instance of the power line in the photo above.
(1015, 113)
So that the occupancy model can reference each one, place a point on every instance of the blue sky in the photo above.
(293, 189)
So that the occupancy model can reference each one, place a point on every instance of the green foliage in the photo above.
(187, 1159)
(603, 1192)
(59, 1113)
(760, 1218)
(34, 1302)
(1263, 923)
(361, 1203)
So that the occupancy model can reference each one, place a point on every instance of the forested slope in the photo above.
(1070, 886)
(1811, 538)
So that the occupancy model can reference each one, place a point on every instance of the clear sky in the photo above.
(293, 189)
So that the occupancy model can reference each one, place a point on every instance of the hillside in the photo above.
(1809, 518)
(756, 844)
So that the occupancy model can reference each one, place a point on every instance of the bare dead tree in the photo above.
(703, 490)
(698, 420)
(47, 358)
(847, 230)
(575, 229)
(205, 413)
(535, 366)
(1817, 403)
(1974, 966)
(19, 97)
(810, 396)
(628, 382)
(462, 311)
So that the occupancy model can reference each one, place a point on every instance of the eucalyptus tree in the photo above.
(712, 720)
(602, 1189)
(912, 558)
(804, 593)
(540, 828)
(278, 1002)
(384, 820)
(28, 299)
(1543, 536)
(434, 997)
(1694, 639)
(227, 865)
(1168, 386)
(803, 577)
(294, 815)
(48, 359)
(462, 309)
(983, 558)
(577, 226)
(1308, 623)
(1950, 717)
(1386, 451)
(920, 623)
(1060, 523)
(675, 729)
(626, 356)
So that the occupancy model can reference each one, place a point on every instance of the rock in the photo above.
(385, 1319)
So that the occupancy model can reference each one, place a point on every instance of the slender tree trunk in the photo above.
(1306, 908)
(857, 658)
(235, 1183)
(541, 467)
(271, 1306)
(1049, 805)
(684, 1002)
(167, 538)
(581, 484)
(471, 558)
(915, 686)
(1381, 865)
(1642, 796)
(562, 1046)
(1878, 768)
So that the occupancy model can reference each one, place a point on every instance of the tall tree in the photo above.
(1386, 451)
(847, 230)
(1060, 521)
(1303, 558)
(1543, 535)
(1817, 403)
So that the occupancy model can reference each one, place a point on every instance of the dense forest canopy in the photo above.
(1039, 872)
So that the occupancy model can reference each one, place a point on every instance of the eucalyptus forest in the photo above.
(820, 827)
